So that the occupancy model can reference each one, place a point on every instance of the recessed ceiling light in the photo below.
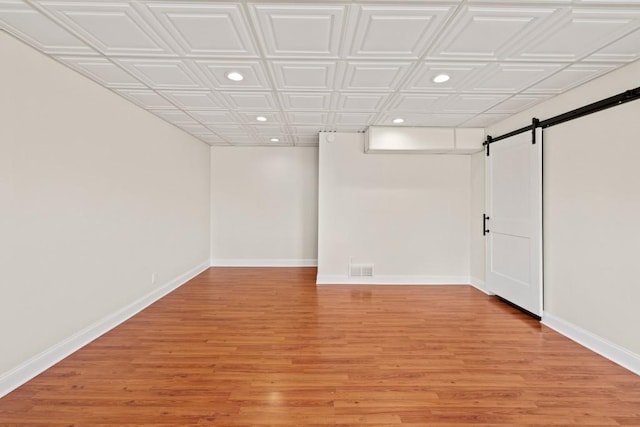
(441, 78)
(398, 121)
(261, 118)
(235, 76)
(275, 140)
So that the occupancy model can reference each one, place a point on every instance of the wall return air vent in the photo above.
(361, 270)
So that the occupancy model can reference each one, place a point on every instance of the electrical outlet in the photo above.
(153, 278)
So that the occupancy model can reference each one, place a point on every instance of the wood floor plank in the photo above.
(266, 347)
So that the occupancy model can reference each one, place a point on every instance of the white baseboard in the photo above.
(264, 262)
(392, 280)
(480, 285)
(32, 367)
(603, 347)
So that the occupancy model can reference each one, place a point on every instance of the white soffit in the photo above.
(313, 66)
(433, 140)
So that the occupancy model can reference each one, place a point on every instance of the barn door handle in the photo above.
(485, 230)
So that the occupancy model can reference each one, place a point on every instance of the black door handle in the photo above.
(485, 218)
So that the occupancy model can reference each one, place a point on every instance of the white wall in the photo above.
(264, 205)
(477, 240)
(592, 229)
(406, 214)
(96, 195)
(591, 211)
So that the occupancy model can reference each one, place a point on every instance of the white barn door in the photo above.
(514, 223)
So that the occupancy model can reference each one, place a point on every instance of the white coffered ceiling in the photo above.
(330, 65)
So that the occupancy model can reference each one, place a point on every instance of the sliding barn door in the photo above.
(514, 223)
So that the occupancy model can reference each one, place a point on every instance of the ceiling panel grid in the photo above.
(310, 66)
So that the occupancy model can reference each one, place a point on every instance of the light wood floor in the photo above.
(258, 347)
